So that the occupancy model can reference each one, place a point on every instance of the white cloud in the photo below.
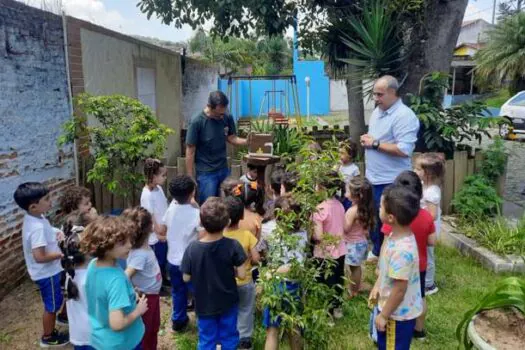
(474, 12)
(95, 11)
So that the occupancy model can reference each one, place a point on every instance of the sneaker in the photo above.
(245, 344)
(371, 258)
(337, 313)
(419, 335)
(180, 327)
(56, 339)
(62, 320)
(431, 290)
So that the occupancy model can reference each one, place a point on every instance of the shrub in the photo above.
(476, 199)
(495, 160)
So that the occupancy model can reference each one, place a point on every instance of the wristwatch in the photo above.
(375, 144)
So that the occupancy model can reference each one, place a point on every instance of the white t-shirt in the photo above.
(36, 233)
(266, 230)
(147, 278)
(156, 203)
(349, 171)
(432, 195)
(77, 314)
(183, 223)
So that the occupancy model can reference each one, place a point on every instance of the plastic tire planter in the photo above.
(476, 339)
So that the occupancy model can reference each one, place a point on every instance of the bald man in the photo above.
(391, 138)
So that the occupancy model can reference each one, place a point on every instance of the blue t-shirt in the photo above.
(109, 289)
(209, 136)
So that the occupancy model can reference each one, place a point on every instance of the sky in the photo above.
(124, 16)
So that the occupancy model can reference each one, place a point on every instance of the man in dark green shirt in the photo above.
(206, 140)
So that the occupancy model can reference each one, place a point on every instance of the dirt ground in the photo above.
(503, 329)
(21, 320)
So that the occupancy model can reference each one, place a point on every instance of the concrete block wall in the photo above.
(34, 103)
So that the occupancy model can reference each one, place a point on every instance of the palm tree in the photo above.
(504, 56)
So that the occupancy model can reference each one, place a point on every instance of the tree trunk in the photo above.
(434, 39)
(356, 114)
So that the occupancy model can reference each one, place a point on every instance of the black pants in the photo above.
(335, 278)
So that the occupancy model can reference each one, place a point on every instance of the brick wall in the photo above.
(33, 105)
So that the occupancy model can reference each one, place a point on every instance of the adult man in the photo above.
(392, 133)
(206, 140)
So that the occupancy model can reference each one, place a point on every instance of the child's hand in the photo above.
(381, 322)
(142, 305)
(373, 297)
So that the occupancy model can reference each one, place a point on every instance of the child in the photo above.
(424, 231)
(251, 174)
(182, 224)
(75, 198)
(347, 168)
(431, 169)
(289, 182)
(274, 189)
(359, 219)
(245, 287)
(252, 196)
(75, 265)
(211, 264)
(397, 289)
(229, 185)
(42, 256)
(114, 313)
(329, 220)
(284, 256)
(144, 272)
(154, 201)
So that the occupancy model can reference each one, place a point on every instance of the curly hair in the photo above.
(361, 190)
(143, 225)
(229, 185)
(181, 187)
(72, 197)
(103, 234)
(214, 215)
(152, 167)
(349, 147)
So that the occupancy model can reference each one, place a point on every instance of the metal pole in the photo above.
(453, 81)
(494, 12)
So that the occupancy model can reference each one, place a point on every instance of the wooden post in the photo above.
(470, 166)
(181, 165)
(460, 169)
(478, 162)
(448, 186)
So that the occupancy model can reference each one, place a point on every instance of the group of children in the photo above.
(112, 269)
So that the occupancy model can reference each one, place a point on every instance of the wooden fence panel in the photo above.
(460, 169)
(448, 187)
(470, 166)
(478, 162)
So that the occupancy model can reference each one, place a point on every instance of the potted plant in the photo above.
(506, 298)
(121, 133)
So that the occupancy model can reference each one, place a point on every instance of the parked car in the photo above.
(513, 112)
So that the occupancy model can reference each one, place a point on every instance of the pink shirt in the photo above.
(356, 233)
(331, 214)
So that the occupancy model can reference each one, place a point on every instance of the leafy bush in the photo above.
(287, 141)
(476, 199)
(125, 132)
(495, 160)
(509, 292)
(498, 235)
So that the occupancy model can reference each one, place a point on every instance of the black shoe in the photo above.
(245, 344)
(180, 327)
(56, 339)
(419, 335)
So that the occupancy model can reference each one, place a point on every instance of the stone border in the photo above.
(490, 260)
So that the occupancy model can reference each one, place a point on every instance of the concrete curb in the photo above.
(490, 260)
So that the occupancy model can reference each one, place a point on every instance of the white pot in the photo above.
(476, 339)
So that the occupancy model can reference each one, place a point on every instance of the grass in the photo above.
(461, 280)
(498, 99)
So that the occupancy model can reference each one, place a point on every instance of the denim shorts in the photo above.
(356, 253)
(51, 292)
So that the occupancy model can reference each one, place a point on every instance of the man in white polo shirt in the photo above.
(391, 138)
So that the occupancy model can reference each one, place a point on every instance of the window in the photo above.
(146, 87)
(518, 100)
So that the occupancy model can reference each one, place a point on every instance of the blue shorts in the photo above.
(356, 253)
(398, 335)
(270, 319)
(51, 292)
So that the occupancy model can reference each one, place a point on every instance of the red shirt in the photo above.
(422, 227)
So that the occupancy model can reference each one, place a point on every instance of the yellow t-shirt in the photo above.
(248, 242)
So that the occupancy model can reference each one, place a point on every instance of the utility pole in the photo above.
(494, 12)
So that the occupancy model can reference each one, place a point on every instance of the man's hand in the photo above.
(367, 141)
(381, 323)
